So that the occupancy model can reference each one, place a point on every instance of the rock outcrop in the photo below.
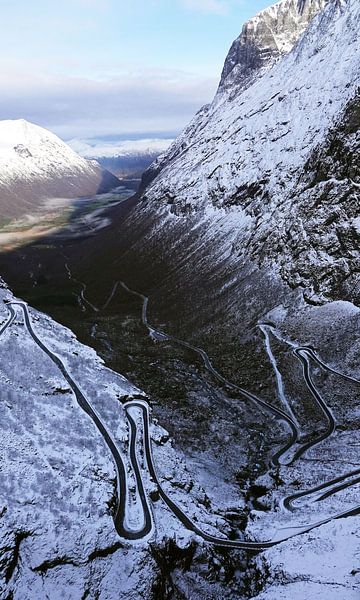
(265, 39)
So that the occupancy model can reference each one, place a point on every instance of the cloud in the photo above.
(219, 7)
(160, 101)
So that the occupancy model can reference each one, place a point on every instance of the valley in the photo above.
(61, 217)
(181, 377)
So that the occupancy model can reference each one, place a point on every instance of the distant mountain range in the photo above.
(123, 158)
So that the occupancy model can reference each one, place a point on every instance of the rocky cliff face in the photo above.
(36, 165)
(317, 246)
(265, 39)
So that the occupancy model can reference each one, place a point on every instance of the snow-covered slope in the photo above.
(249, 150)
(264, 39)
(59, 487)
(256, 205)
(264, 182)
(58, 482)
(35, 164)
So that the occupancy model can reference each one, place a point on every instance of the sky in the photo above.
(106, 68)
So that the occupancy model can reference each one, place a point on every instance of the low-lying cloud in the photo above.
(150, 101)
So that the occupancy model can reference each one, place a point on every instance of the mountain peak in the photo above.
(265, 38)
(19, 132)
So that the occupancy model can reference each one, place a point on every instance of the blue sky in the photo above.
(87, 68)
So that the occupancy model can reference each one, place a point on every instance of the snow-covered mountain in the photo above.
(125, 148)
(249, 158)
(35, 164)
(123, 158)
(253, 216)
(264, 39)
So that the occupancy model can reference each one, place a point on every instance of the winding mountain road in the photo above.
(189, 524)
(304, 354)
(279, 414)
(82, 300)
(122, 488)
(135, 440)
(332, 487)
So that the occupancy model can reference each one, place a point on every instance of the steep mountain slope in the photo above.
(35, 164)
(64, 416)
(60, 485)
(252, 150)
(263, 41)
(253, 216)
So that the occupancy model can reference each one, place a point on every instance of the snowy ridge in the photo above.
(253, 151)
(265, 38)
(143, 147)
